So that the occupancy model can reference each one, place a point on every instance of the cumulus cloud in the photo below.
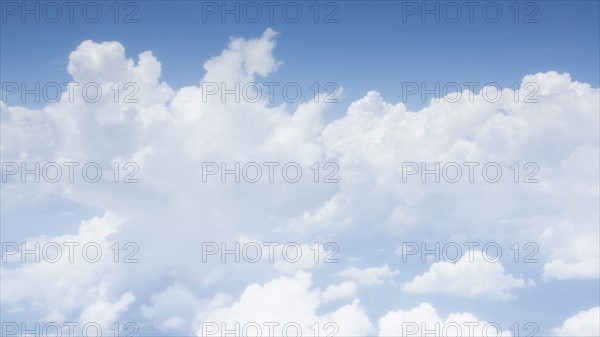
(584, 323)
(287, 301)
(106, 313)
(479, 277)
(68, 276)
(170, 133)
(340, 291)
(424, 319)
(375, 138)
(243, 60)
(577, 257)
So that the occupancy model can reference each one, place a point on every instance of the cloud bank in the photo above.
(169, 133)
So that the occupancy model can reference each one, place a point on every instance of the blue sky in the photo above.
(369, 48)
(375, 51)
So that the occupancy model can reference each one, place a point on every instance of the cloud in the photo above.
(341, 291)
(105, 63)
(69, 280)
(424, 320)
(173, 309)
(286, 300)
(71, 283)
(243, 60)
(375, 138)
(576, 259)
(476, 278)
(369, 276)
(106, 313)
(584, 323)
(170, 133)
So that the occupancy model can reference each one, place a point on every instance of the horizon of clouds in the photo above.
(169, 133)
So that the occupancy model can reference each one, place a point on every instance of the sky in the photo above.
(331, 168)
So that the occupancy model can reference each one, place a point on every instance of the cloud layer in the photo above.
(170, 133)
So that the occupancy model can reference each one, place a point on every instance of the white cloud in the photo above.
(105, 63)
(584, 323)
(374, 138)
(476, 278)
(340, 291)
(424, 320)
(369, 276)
(577, 256)
(243, 60)
(64, 283)
(169, 133)
(105, 313)
(286, 301)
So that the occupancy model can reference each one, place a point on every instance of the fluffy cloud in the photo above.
(287, 301)
(168, 135)
(375, 138)
(473, 278)
(243, 60)
(171, 133)
(79, 270)
(424, 320)
(584, 323)
(106, 63)
(577, 257)
(106, 313)
(339, 291)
